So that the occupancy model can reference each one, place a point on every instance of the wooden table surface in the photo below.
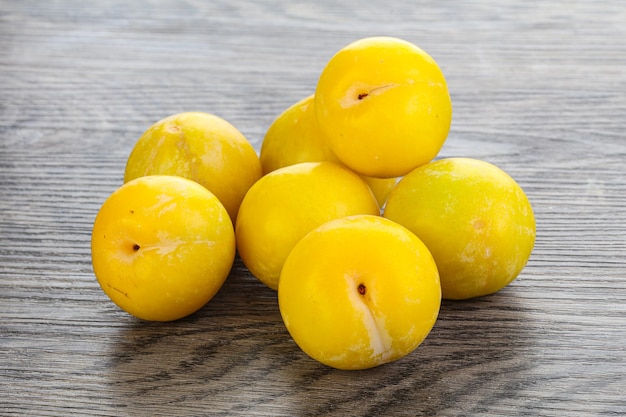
(538, 89)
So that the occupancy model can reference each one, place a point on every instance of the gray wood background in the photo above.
(539, 88)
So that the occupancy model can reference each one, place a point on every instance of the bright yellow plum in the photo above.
(201, 147)
(359, 292)
(476, 220)
(162, 246)
(295, 137)
(287, 203)
(384, 107)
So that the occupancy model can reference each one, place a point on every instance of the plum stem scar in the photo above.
(362, 289)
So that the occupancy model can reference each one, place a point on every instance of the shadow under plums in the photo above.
(472, 358)
(234, 352)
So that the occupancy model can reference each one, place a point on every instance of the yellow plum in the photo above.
(383, 105)
(162, 246)
(475, 219)
(359, 292)
(201, 147)
(287, 203)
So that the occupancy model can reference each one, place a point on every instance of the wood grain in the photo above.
(538, 89)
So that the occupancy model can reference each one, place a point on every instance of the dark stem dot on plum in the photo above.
(362, 96)
(136, 247)
(362, 289)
